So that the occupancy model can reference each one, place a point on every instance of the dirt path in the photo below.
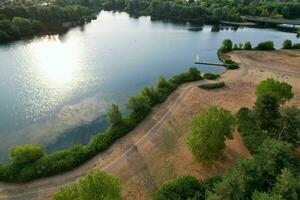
(156, 151)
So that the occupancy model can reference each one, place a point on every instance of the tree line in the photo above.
(206, 10)
(19, 21)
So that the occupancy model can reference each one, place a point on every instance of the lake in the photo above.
(56, 89)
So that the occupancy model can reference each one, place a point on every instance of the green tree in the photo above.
(287, 44)
(247, 46)
(114, 115)
(239, 183)
(22, 154)
(164, 86)
(266, 111)
(266, 196)
(273, 156)
(290, 125)
(287, 186)
(227, 46)
(281, 90)
(209, 131)
(140, 105)
(194, 73)
(183, 187)
(94, 186)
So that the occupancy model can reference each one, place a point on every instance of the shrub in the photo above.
(211, 76)
(232, 66)
(210, 86)
(184, 187)
(287, 44)
(265, 46)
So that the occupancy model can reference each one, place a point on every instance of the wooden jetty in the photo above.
(198, 61)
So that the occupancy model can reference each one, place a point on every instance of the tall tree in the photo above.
(209, 131)
(114, 115)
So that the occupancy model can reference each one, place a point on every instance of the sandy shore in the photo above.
(161, 152)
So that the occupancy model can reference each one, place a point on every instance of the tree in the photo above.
(287, 44)
(23, 154)
(273, 156)
(153, 95)
(290, 125)
(164, 86)
(281, 90)
(240, 182)
(140, 105)
(209, 131)
(114, 115)
(265, 46)
(183, 187)
(266, 111)
(194, 73)
(94, 186)
(266, 196)
(287, 186)
(227, 46)
(247, 46)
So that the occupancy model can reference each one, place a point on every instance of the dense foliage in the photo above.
(287, 44)
(94, 186)
(272, 173)
(206, 11)
(19, 20)
(183, 187)
(39, 165)
(209, 131)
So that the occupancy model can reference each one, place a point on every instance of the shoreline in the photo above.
(243, 79)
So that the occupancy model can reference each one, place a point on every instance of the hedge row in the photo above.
(74, 156)
(210, 86)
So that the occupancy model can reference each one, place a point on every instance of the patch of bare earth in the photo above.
(161, 152)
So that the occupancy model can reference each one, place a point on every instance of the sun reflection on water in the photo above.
(57, 62)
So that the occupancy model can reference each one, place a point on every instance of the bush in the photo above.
(210, 86)
(232, 66)
(287, 44)
(184, 187)
(211, 76)
(265, 46)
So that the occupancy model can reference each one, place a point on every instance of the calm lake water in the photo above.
(54, 89)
